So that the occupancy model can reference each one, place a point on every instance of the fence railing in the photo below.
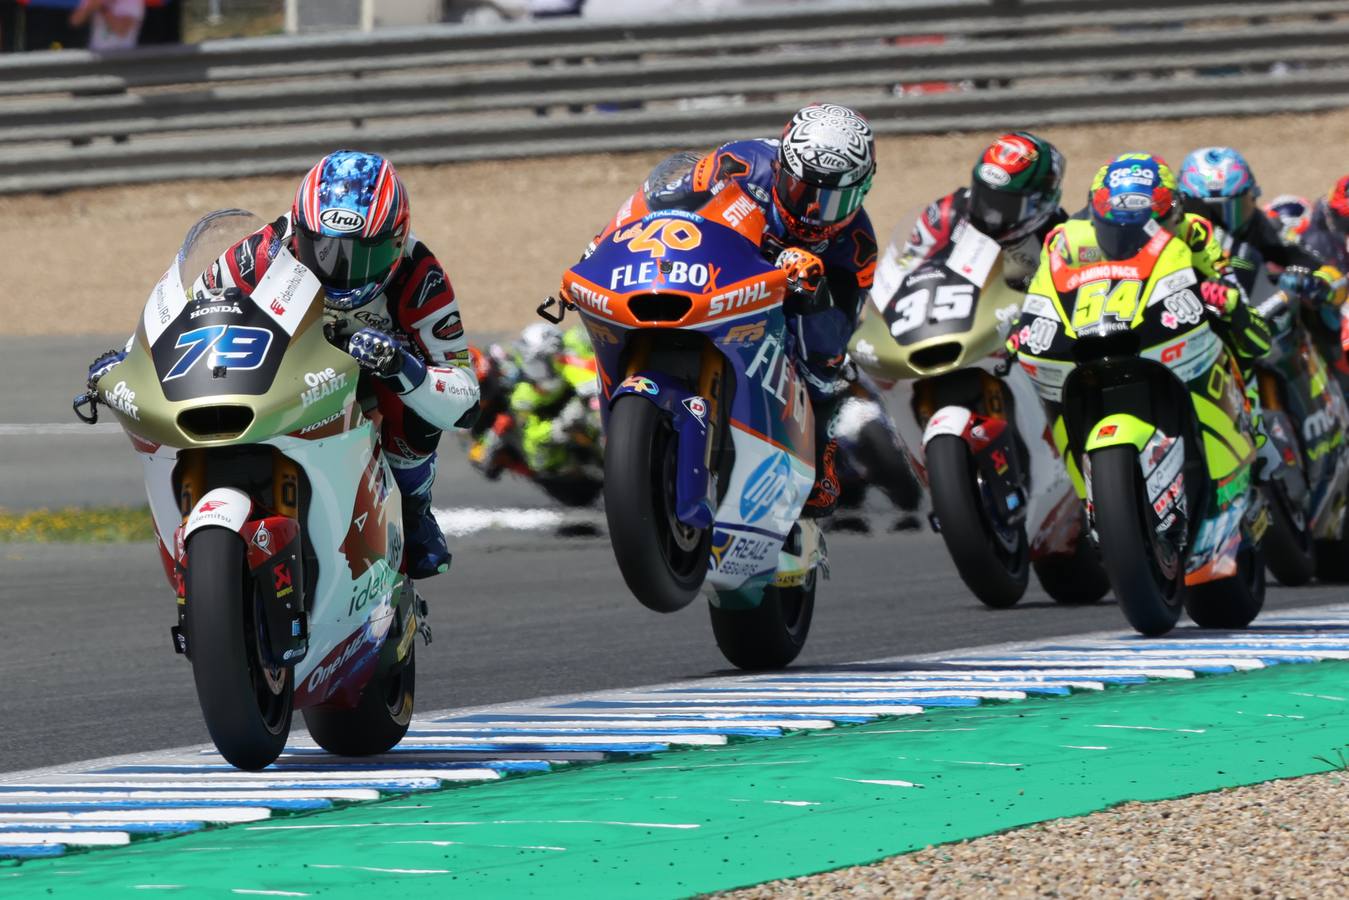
(268, 105)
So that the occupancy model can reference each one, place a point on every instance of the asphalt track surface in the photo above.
(88, 669)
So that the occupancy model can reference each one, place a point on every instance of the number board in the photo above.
(225, 348)
(934, 303)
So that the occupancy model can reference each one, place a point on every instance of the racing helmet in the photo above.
(537, 351)
(1291, 214)
(1016, 186)
(1216, 183)
(1337, 207)
(826, 161)
(351, 224)
(1131, 197)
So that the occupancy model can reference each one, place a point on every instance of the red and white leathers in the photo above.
(417, 309)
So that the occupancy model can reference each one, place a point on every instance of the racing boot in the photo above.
(1268, 462)
(426, 551)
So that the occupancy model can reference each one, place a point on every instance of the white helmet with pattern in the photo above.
(826, 160)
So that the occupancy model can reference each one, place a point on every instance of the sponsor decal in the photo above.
(210, 506)
(373, 319)
(122, 399)
(641, 385)
(322, 384)
(432, 284)
(777, 374)
(697, 407)
(1106, 431)
(1041, 335)
(1184, 307)
(737, 212)
(756, 192)
(1174, 352)
(218, 308)
(747, 554)
(745, 334)
(1039, 305)
(342, 220)
(630, 274)
(449, 328)
(320, 423)
(263, 539)
(1110, 271)
(588, 297)
(745, 295)
(601, 334)
(370, 588)
(866, 351)
(1233, 487)
(994, 174)
(281, 581)
(765, 487)
(280, 303)
(322, 673)
(1089, 254)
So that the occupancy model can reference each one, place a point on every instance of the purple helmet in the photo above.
(1217, 183)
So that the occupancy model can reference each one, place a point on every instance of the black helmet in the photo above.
(1016, 186)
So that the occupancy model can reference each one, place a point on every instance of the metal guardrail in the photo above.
(270, 105)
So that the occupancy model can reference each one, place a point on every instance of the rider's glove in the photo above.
(806, 288)
(1302, 283)
(1220, 298)
(101, 366)
(379, 354)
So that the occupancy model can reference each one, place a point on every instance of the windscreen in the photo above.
(210, 237)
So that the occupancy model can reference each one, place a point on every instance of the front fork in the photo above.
(273, 552)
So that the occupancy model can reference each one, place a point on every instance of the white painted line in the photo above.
(73, 838)
(157, 783)
(605, 740)
(814, 694)
(55, 429)
(185, 813)
(838, 709)
(622, 725)
(151, 794)
(467, 520)
(847, 684)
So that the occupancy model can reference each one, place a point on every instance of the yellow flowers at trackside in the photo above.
(76, 524)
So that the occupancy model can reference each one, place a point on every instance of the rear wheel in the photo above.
(1332, 558)
(886, 466)
(772, 634)
(1146, 573)
(1230, 602)
(247, 705)
(662, 560)
(378, 722)
(993, 561)
(1289, 550)
(1077, 577)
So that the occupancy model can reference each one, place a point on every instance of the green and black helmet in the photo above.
(1016, 186)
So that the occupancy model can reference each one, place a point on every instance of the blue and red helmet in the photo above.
(351, 224)
(1216, 183)
(1128, 194)
(1291, 215)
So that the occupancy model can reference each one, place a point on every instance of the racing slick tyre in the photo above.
(572, 491)
(378, 722)
(887, 467)
(772, 634)
(994, 562)
(662, 560)
(1230, 602)
(246, 704)
(1289, 550)
(1332, 558)
(1147, 574)
(1076, 577)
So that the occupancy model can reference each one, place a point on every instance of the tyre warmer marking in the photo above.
(119, 801)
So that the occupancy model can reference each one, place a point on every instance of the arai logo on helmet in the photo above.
(343, 220)
(994, 175)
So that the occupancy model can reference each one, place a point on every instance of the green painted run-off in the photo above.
(700, 820)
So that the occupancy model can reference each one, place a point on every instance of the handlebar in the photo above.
(562, 307)
(90, 399)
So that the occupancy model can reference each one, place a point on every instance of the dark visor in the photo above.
(998, 213)
(1120, 240)
(348, 263)
(816, 205)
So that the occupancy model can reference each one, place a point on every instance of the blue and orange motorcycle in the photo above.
(709, 454)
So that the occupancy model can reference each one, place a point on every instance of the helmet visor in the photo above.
(1002, 215)
(348, 263)
(819, 206)
(1231, 213)
(1120, 240)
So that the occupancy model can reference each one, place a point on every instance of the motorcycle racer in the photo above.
(1290, 214)
(809, 184)
(389, 303)
(1217, 183)
(552, 396)
(1013, 197)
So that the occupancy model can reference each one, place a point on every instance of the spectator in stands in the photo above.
(113, 24)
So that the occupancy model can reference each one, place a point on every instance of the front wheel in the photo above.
(378, 722)
(1074, 578)
(247, 705)
(1289, 550)
(1145, 571)
(993, 560)
(662, 560)
(772, 634)
(1230, 602)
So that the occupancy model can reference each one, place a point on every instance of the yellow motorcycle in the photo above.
(1151, 417)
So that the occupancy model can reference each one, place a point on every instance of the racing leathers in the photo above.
(557, 414)
(936, 227)
(821, 332)
(433, 387)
